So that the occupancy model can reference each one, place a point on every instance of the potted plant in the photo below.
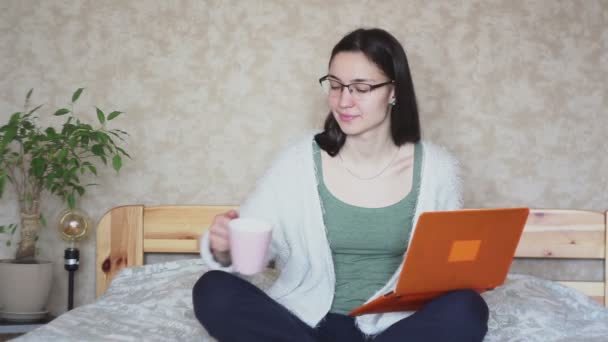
(35, 159)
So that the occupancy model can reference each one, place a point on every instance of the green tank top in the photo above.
(367, 244)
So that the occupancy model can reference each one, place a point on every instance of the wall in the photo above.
(213, 89)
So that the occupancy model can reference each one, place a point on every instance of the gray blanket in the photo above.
(154, 303)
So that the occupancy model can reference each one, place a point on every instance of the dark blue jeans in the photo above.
(232, 309)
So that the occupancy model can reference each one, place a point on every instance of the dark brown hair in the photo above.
(386, 52)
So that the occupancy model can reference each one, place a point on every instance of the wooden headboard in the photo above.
(125, 233)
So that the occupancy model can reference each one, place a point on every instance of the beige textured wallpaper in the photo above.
(213, 89)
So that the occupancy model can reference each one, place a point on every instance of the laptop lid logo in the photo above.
(464, 250)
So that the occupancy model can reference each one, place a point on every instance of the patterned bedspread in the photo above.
(153, 303)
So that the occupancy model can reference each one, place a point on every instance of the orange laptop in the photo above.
(451, 250)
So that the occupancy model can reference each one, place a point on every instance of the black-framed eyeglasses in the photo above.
(358, 90)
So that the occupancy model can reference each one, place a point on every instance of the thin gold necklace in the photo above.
(374, 176)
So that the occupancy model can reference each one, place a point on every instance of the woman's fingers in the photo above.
(232, 214)
(219, 235)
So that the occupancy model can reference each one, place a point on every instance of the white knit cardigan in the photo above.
(287, 196)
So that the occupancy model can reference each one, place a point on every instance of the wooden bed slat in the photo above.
(563, 234)
(176, 229)
(170, 246)
(594, 290)
(119, 243)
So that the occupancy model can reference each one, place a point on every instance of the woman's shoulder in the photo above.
(295, 154)
(443, 174)
(298, 148)
(288, 164)
(438, 154)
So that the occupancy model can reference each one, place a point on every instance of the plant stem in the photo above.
(14, 180)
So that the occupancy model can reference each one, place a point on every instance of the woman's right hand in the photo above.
(219, 236)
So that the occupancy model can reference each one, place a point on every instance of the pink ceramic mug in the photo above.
(249, 241)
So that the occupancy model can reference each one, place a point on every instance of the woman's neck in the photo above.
(368, 148)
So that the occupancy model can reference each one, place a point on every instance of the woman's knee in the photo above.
(211, 296)
(467, 303)
(469, 309)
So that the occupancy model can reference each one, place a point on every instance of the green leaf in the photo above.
(62, 154)
(33, 110)
(67, 129)
(116, 135)
(15, 118)
(92, 169)
(101, 116)
(27, 125)
(117, 162)
(98, 150)
(2, 182)
(50, 178)
(123, 152)
(102, 137)
(38, 166)
(71, 173)
(43, 221)
(71, 201)
(113, 115)
(62, 111)
(29, 94)
(80, 190)
(10, 229)
(77, 94)
(11, 133)
(50, 131)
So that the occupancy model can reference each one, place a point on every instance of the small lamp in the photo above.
(74, 226)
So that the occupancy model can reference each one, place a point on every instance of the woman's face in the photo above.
(359, 112)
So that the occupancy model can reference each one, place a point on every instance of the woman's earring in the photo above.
(392, 102)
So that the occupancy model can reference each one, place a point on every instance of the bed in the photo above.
(153, 302)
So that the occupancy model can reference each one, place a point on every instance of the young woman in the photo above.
(344, 203)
